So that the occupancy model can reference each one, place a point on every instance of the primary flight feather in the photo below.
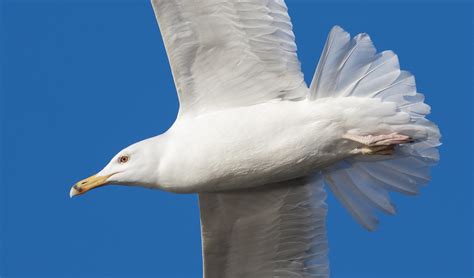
(258, 145)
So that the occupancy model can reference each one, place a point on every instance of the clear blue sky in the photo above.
(81, 80)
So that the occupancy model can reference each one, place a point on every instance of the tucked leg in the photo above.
(378, 144)
(380, 140)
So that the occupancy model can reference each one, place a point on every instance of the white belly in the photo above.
(252, 146)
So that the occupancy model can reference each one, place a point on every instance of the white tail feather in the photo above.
(351, 67)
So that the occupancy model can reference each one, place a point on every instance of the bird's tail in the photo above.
(352, 68)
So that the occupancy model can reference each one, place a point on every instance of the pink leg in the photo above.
(380, 140)
(379, 144)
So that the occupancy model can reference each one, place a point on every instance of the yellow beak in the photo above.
(87, 184)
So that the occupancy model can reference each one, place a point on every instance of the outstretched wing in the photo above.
(227, 53)
(277, 230)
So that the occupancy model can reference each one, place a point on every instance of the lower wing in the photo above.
(277, 230)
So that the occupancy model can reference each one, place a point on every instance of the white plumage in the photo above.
(258, 145)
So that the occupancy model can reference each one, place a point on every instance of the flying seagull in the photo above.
(259, 146)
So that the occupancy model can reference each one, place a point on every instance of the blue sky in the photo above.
(80, 80)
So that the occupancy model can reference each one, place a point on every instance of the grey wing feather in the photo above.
(277, 230)
(227, 53)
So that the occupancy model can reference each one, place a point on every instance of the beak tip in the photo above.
(73, 192)
(85, 185)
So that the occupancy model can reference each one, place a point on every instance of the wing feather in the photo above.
(227, 53)
(277, 230)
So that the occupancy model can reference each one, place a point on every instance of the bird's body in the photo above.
(263, 143)
(258, 145)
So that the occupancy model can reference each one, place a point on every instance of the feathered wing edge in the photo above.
(352, 67)
(215, 46)
(277, 230)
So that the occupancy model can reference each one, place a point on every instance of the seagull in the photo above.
(260, 147)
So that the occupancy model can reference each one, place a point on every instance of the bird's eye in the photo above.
(123, 159)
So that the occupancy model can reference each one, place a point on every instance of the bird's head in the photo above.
(134, 165)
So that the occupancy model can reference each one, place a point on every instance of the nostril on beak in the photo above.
(84, 182)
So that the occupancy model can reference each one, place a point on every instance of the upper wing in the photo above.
(227, 53)
(277, 230)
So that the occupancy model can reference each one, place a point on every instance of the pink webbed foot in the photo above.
(380, 140)
(378, 144)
